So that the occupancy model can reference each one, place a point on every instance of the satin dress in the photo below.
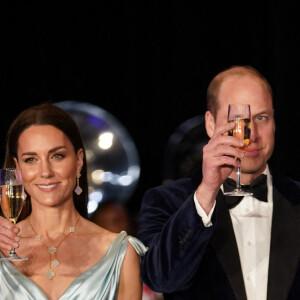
(100, 282)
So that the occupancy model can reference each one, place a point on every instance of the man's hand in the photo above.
(218, 162)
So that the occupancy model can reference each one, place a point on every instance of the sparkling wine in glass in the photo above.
(12, 199)
(240, 115)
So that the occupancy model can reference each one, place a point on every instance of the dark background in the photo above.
(148, 64)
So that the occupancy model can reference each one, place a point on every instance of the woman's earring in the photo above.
(78, 189)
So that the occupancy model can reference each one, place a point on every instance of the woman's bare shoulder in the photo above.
(98, 233)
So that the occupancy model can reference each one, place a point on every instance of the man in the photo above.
(204, 246)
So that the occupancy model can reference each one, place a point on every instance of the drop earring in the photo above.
(78, 189)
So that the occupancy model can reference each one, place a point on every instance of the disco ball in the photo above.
(112, 158)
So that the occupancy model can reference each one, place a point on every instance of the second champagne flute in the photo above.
(240, 115)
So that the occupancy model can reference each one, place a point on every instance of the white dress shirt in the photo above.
(251, 220)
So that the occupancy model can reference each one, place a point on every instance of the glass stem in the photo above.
(12, 252)
(238, 175)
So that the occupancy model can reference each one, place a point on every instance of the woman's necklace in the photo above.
(53, 262)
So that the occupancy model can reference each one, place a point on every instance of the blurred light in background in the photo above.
(112, 158)
(105, 140)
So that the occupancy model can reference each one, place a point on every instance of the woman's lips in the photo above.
(48, 187)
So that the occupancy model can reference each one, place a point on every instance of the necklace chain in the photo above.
(53, 262)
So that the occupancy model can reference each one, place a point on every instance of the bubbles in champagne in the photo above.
(241, 131)
(12, 199)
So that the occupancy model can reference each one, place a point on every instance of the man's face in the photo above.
(248, 90)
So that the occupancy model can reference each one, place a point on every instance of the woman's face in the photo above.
(49, 164)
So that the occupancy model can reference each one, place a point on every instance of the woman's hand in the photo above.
(8, 235)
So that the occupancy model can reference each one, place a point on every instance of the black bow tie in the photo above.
(258, 187)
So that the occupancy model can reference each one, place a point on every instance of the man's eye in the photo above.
(261, 118)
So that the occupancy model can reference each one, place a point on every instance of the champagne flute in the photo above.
(12, 199)
(239, 114)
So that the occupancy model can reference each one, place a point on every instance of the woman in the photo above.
(69, 257)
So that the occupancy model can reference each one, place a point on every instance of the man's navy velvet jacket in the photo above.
(186, 260)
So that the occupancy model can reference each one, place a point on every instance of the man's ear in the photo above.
(209, 124)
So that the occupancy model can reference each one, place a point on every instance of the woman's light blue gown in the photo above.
(101, 281)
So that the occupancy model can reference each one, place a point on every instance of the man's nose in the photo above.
(253, 135)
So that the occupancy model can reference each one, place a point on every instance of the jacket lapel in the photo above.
(224, 244)
(285, 236)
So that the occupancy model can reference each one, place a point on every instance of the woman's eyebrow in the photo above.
(50, 151)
